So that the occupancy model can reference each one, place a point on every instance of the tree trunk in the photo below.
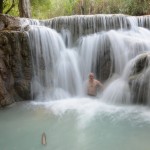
(24, 8)
(82, 7)
(1, 6)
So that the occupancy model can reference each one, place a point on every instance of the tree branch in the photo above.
(13, 5)
(1, 6)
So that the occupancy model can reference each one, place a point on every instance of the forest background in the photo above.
(44, 9)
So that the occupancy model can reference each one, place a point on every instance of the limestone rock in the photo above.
(15, 62)
(23, 89)
(2, 25)
(139, 79)
(9, 22)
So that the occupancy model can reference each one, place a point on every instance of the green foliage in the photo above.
(43, 9)
(7, 4)
(68, 6)
(137, 7)
(108, 6)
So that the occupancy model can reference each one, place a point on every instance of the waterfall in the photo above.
(80, 25)
(55, 68)
(66, 49)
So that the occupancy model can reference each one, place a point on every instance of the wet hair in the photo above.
(91, 74)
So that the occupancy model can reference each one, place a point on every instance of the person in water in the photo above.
(93, 85)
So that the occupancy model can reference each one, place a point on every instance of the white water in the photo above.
(74, 124)
(70, 119)
(60, 72)
(56, 68)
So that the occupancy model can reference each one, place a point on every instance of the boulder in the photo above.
(15, 62)
(9, 23)
(139, 79)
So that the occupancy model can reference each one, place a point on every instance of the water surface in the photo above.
(74, 124)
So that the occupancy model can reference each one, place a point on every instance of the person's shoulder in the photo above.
(96, 81)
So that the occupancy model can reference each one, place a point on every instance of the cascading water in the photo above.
(55, 68)
(60, 72)
(114, 47)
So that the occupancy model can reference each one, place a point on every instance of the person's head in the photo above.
(91, 76)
